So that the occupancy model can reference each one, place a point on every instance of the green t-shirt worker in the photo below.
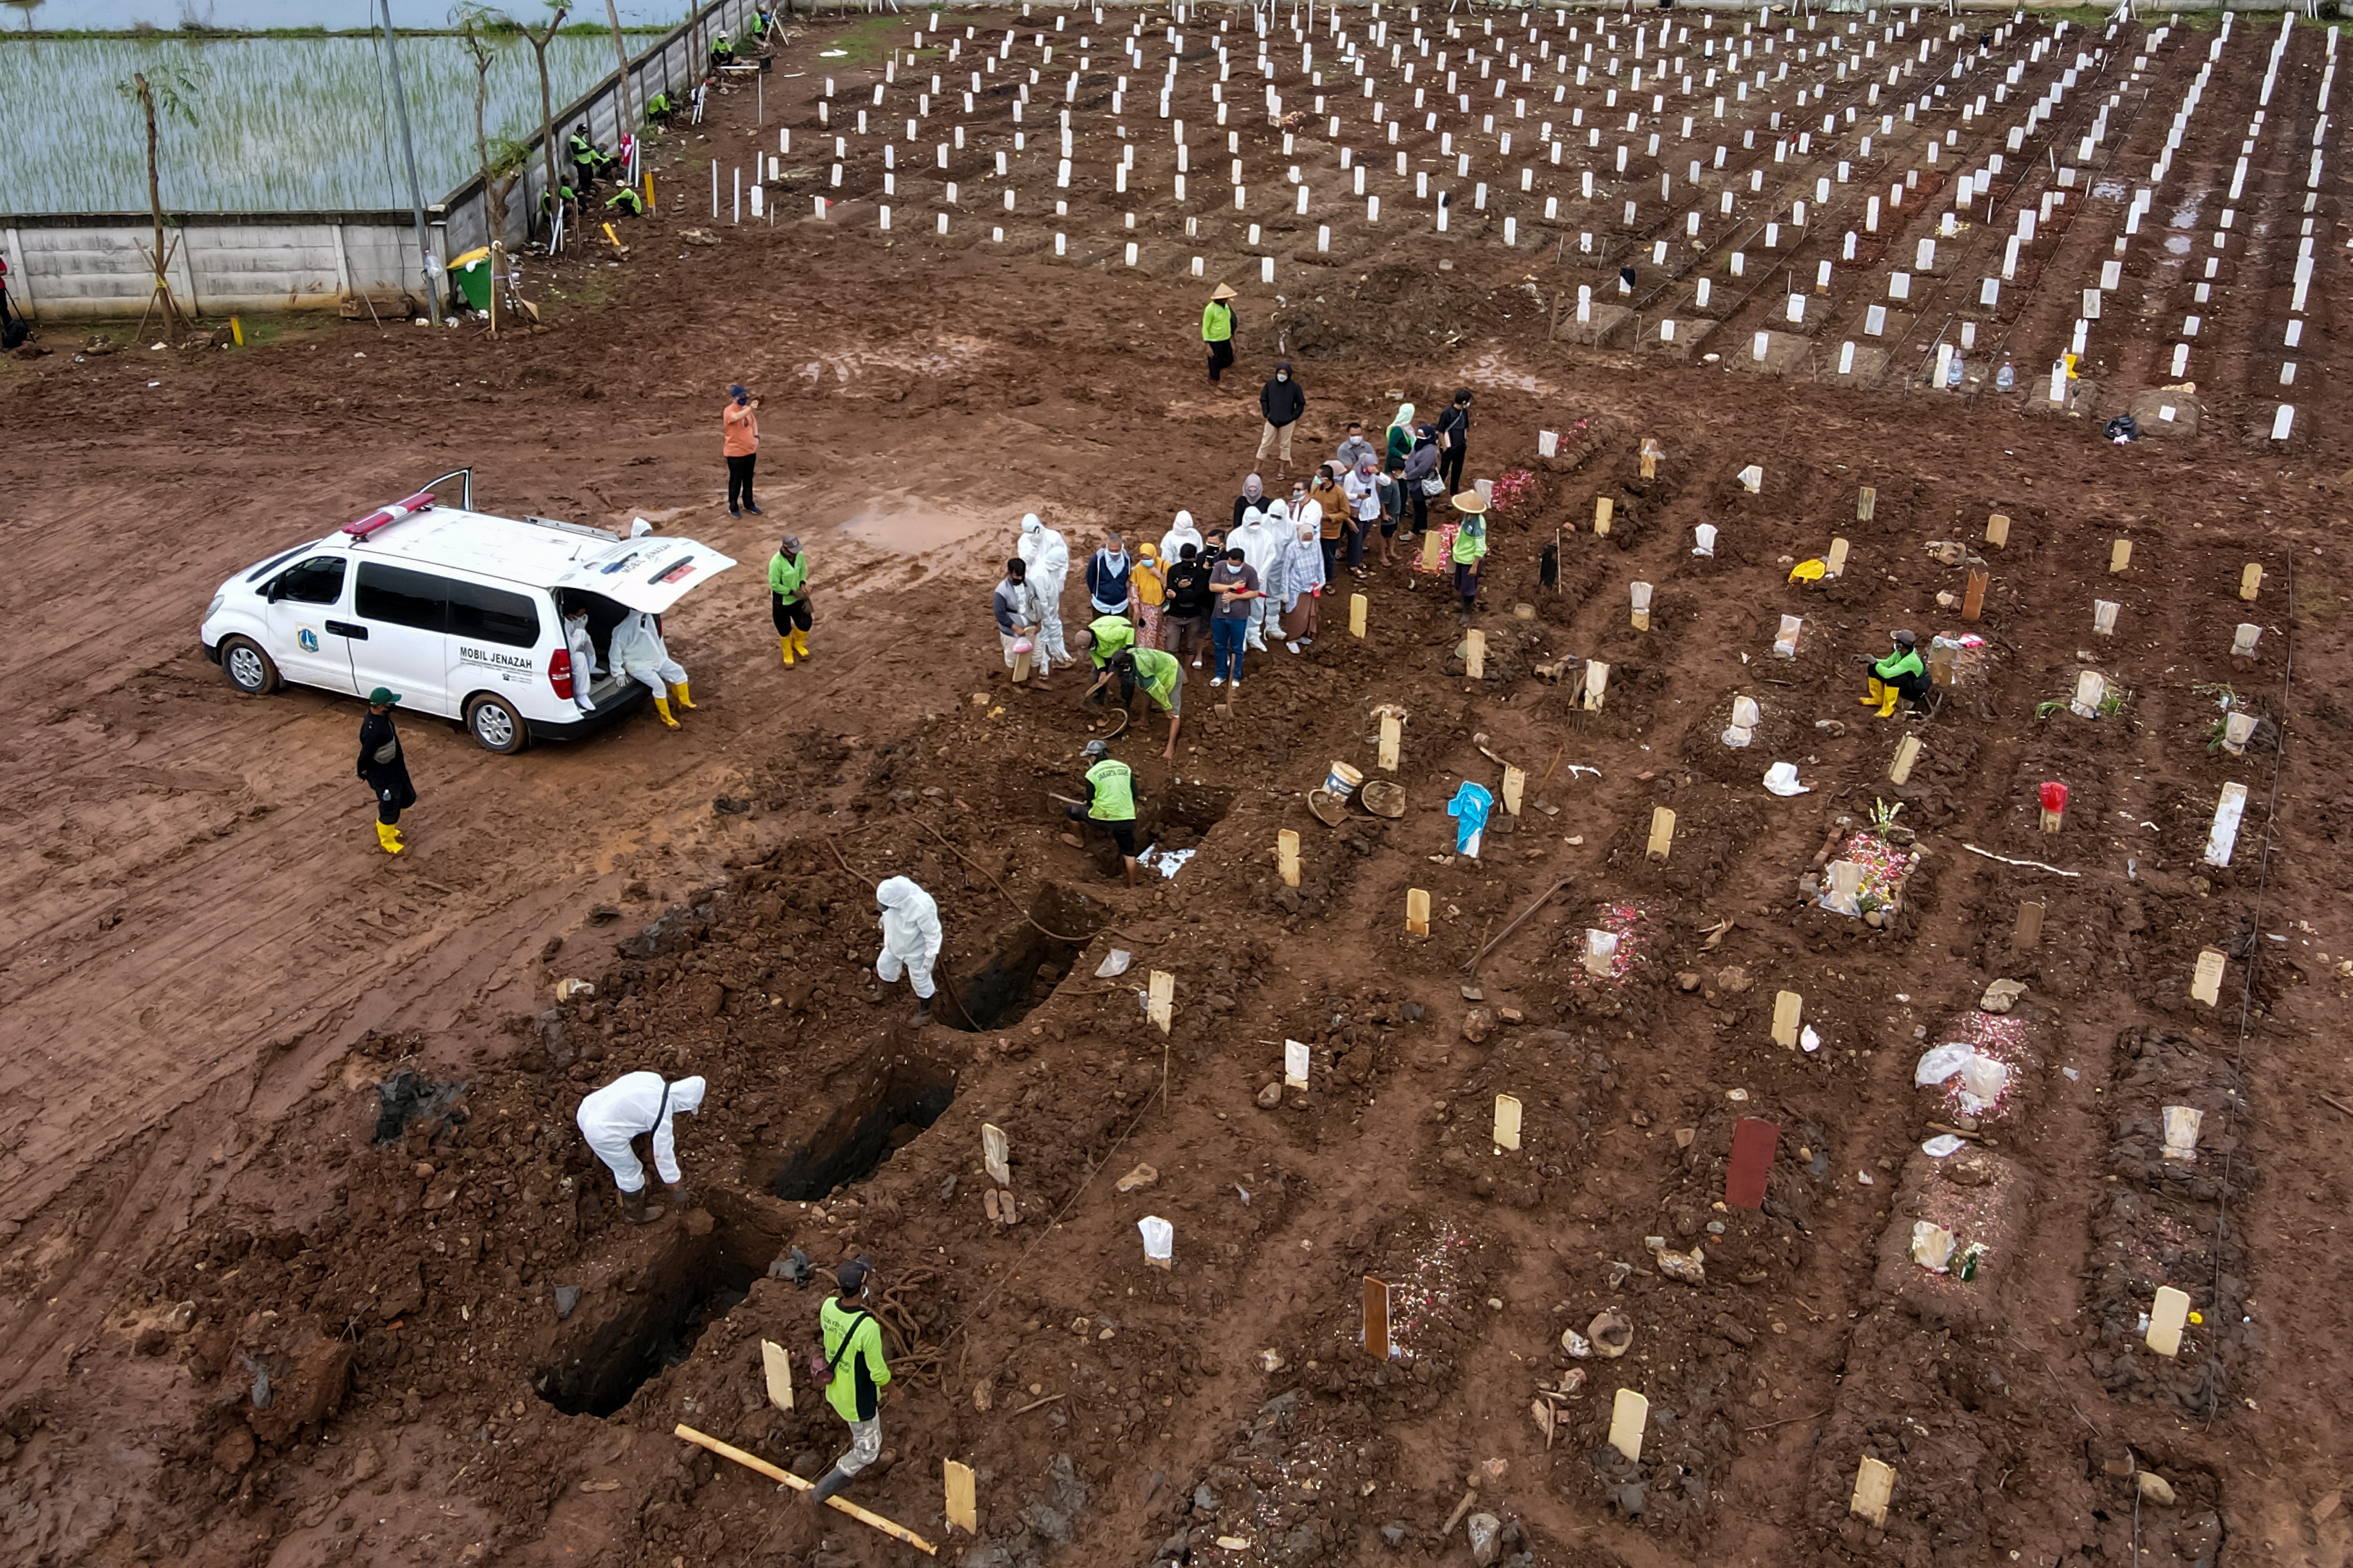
(1218, 329)
(1899, 674)
(1162, 676)
(788, 599)
(1108, 637)
(1110, 803)
(853, 1352)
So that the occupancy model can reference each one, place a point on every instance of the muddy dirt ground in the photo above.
(208, 969)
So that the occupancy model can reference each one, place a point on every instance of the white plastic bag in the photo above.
(1159, 1239)
(1942, 1062)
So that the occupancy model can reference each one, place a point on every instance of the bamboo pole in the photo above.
(752, 1462)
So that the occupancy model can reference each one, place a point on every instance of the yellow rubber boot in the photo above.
(1887, 704)
(787, 644)
(662, 706)
(680, 695)
(388, 836)
(1877, 688)
(800, 642)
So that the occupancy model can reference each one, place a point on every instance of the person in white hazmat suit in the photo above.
(1173, 542)
(910, 940)
(1048, 559)
(630, 1106)
(578, 639)
(1260, 538)
(639, 653)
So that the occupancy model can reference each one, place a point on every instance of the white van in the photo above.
(460, 612)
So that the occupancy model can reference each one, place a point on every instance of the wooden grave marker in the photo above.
(2167, 1316)
(963, 1496)
(2028, 931)
(1866, 501)
(1357, 607)
(1162, 999)
(1516, 784)
(1834, 562)
(1907, 752)
(2251, 579)
(1507, 1121)
(1997, 530)
(2206, 980)
(1597, 684)
(1973, 595)
(1788, 1012)
(1602, 507)
(2120, 556)
(1286, 854)
(1474, 655)
(1376, 1318)
(1417, 911)
(779, 1366)
(1392, 741)
(1753, 1138)
(1627, 1415)
(1430, 543)
(1875, 1485)
(1296, 1059)
(1662, 833)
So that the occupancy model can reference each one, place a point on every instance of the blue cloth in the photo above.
(1470, 807)
(1226, 639)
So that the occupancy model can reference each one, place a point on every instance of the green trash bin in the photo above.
(471, 274)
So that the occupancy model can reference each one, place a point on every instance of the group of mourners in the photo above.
(1213, 595)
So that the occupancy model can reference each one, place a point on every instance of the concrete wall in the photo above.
(82, 266)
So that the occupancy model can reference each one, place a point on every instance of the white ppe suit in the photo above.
(1260, 538)
(910, 935)
(635, 1103)
(1173, 542)
(1048, 560)
(638, 652)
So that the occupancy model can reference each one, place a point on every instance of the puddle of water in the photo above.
(2179, 244)
(906, 525)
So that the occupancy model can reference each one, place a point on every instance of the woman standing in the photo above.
(788, 604)
(1300, 580)
(739, 424)
(385, 767)
(1422, 482)
(1148, 590)
(1469, 551)
(1400, 437)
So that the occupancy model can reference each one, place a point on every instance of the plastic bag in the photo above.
(1159, 1239)
(1942, 1062)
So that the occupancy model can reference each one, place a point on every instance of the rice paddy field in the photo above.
(280, 124)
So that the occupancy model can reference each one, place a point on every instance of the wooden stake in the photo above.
(1376, 1318)
(779, 1369)
(1515, 784)
(1628, 1417)
(1392, 737)
(1286, 853)
(2167, 1316)
(2206, 983)
(993, 1153)
(1997, 530)
(1907, 751)
(1163, 997)
(1662, 833)
(1357, 606)
(1834, 564)
(1602, 507)
(1416, 911)
(1597, 684)
(2120, 556)
(2251, 581)
(2052, 821)
(1507, 1121)
(2028, 931)
(1788, 1008)
(1651, 452)
(1429, 550)
(753, 1462)
(1020, 669)
(1474, 655)
(963, 1499)
(1874, 1484)
(1973, 596)
(1866, 501)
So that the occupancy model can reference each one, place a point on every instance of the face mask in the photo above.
(1282, 375)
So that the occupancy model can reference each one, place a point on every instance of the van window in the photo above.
(492, 614)
(400, 597)
(318, 581)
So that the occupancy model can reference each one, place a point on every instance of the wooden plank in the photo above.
(962, 1497)
(1997, 530)
(1907, 752)
(1162, 999)
(1789, 1010)
(779, 1366)
(1627, 1415)
(1376, 1318)
(1866, 501)
(1417, 911)
(1286, 852)
(1874, 1484)
(2029, 930)
(2206, 981)
(1662, 833)
(2120, 556)
(2167, 1316)
(1754, 1140)
(1973, 595)
(1507, 1121)
(1516, 784)
(1392, 741)
(753, 1462)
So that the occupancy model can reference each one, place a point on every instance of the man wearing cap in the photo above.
(788, 597)
(634, 1105)
(854, 1359)
(1110, 803)
(1282, 403)
(1899, 675)
(1218, 329)
(739, 424)
(385, 766)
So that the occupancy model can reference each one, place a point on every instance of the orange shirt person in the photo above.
(740, 423)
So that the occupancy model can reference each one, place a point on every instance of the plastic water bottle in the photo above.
(1953, 375)
(2005, 378)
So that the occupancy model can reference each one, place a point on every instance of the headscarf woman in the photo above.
(1300, 583)
(1147, 591)
(1400, 440)
(1420, 477)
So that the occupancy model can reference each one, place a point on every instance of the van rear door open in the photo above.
(649, 574)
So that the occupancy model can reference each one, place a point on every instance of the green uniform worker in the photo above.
(1108, 637)
(1162, 676)
(1111, 801)
(789, 572)
(627, 202)
(1899, 674)
(1218, 329)
(853, 1356)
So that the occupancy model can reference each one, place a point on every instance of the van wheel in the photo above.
(496, 726)
(249, 668)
